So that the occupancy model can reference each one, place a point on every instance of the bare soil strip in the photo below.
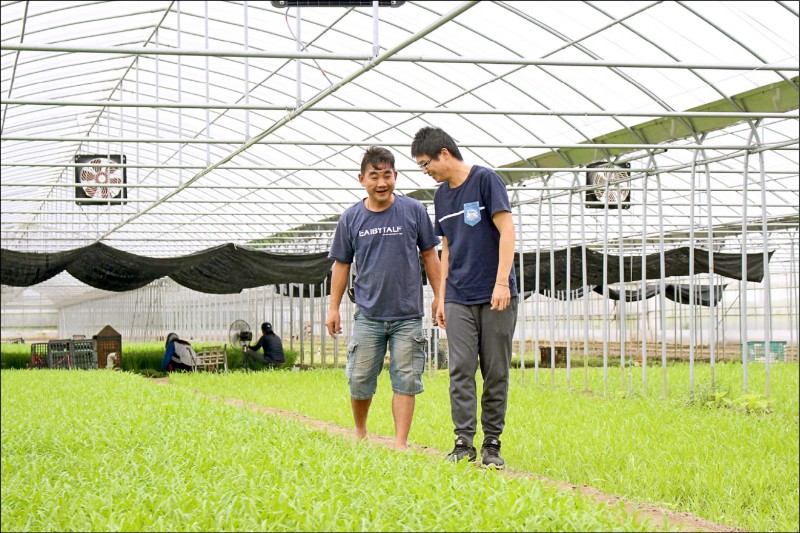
(658, 516)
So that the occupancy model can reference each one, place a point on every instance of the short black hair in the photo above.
(377, 156)
(429, 141)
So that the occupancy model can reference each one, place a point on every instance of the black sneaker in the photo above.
(462, 450)
(490, 453)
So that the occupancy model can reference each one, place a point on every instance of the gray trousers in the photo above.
(478, 336)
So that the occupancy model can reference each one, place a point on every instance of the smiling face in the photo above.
(379, 182)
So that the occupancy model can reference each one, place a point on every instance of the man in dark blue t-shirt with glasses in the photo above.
(478, 298)
(382, 234)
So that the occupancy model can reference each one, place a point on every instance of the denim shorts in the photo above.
(367, 350)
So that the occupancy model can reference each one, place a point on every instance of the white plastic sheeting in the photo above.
(243, 122)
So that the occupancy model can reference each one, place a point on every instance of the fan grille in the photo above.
(235, 330)
(102, 177)
(612, 192)
(607, 181)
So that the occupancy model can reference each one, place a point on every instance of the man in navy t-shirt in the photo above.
(478, 298)
(382, 235)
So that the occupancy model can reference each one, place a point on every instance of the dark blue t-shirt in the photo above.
(464, 217)
(388, 283)
(273, 347)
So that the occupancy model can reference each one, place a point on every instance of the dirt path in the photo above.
(657, 515)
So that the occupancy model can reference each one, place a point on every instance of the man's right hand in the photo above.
(439, 319)
(333, 323)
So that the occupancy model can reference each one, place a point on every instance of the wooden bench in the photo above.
(212, 358)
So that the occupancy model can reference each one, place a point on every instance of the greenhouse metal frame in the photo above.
(245, 123)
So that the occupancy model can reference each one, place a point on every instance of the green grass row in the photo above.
(113, 451)
(721, 453)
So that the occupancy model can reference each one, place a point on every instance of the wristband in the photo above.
(502, 284)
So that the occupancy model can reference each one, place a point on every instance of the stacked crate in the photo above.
(63, 354)
(38, 355)
(82, 354)
(755, 351)
(58, 354)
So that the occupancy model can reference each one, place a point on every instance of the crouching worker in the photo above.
(273, 350)
(179, 355)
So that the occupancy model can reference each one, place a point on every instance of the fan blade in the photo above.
(88, 174)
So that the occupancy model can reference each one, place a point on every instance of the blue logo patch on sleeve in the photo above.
(472, 213)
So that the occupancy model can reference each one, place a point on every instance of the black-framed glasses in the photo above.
(424, 166)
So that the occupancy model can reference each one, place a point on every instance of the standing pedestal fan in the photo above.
(240, 333)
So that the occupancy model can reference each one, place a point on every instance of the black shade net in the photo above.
(229, 268)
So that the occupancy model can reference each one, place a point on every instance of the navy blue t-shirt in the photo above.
(273, 347)
(388, 283)
(464, 217)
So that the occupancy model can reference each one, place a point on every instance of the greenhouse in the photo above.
(181, 167)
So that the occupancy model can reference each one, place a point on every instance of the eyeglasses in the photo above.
(424, 166)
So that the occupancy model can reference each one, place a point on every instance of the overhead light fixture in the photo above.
(365, 3)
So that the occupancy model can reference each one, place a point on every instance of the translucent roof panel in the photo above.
(245, 122)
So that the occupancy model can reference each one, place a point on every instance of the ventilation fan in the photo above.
(240, 333)
(102, 180)
(606, 175)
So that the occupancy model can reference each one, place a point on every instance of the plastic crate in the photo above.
(755, 351)
(58, 354)
(38, 355)
(82, 354)
(63, 354)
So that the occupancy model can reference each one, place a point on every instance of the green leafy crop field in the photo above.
(102, 450)
(110, 451)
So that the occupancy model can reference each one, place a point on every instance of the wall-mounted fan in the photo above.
(101, 178)
(614, 196)
(240, 334)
